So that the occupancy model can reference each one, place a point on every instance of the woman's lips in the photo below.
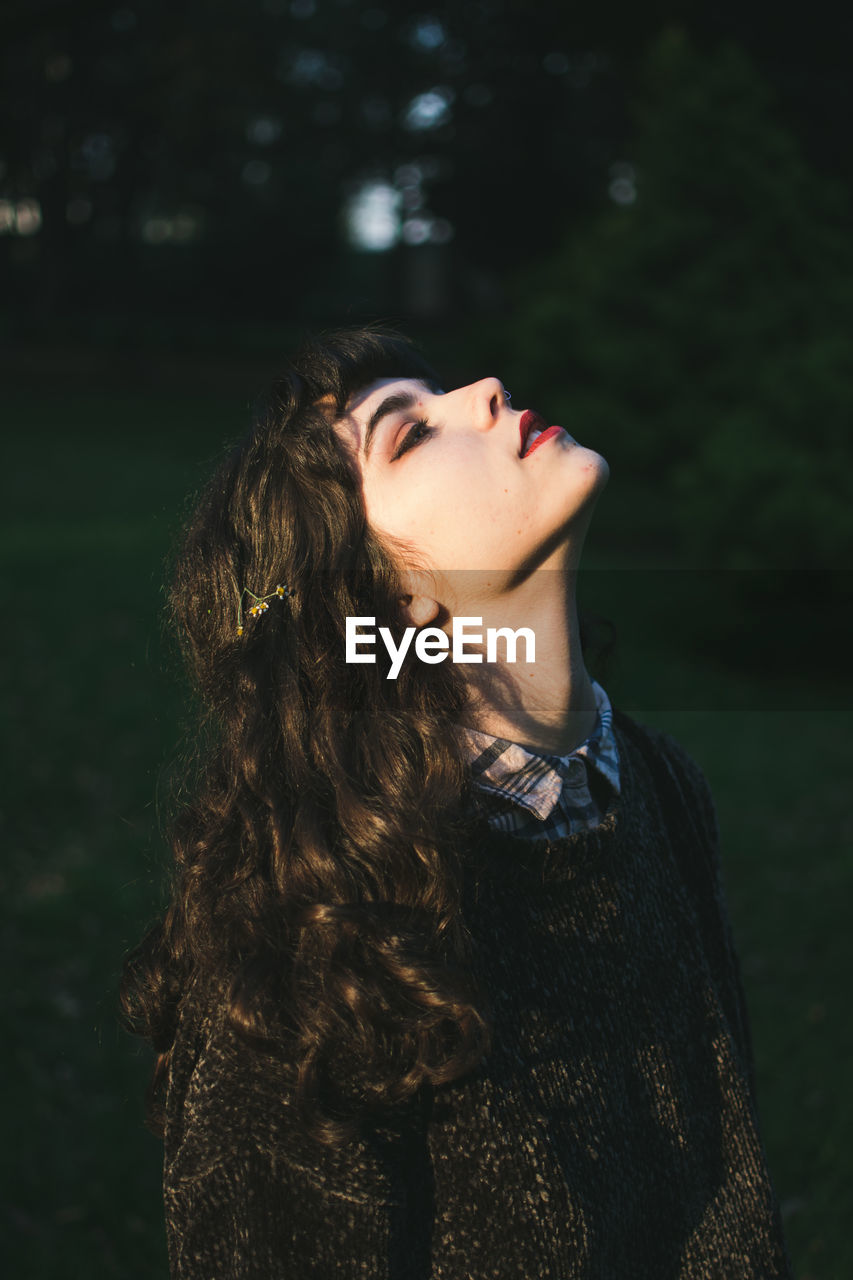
(548, 434)
(532, 421)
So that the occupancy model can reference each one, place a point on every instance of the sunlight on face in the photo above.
(442, 474)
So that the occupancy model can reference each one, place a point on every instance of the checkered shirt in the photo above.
(538, 796)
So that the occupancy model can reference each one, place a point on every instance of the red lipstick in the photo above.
(532, 421)
(546, 435)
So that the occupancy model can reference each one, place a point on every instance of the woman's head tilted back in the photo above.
(317, 885)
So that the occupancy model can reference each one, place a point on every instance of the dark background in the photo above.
(638, 216)
(202, 154)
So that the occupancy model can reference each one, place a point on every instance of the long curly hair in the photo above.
(318, 878)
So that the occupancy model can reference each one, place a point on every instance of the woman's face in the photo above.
(443, 472)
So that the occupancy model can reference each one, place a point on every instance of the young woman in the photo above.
(446, 987)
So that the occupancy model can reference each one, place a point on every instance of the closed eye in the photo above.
(418, 432)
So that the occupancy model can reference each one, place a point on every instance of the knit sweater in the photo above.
(610, 1134)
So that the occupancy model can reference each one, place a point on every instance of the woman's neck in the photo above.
(547, 705)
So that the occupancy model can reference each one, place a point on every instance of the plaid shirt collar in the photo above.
(537, 782)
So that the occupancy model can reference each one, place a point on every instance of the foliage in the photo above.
(204, 153)
(697, 334)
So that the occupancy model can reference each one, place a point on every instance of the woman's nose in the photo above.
(489, 398)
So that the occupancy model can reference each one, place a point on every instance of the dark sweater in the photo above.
(611, 1134)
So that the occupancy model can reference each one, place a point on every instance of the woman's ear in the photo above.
(418, 611)
(417, 607)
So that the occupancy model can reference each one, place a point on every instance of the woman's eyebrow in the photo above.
(396, 403)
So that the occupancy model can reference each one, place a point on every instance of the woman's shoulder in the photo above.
(658, 746)
(230, 1099)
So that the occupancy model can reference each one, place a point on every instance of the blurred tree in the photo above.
(698, 332)
(196, 159)
(203, 154)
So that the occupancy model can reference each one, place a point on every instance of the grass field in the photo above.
(93, 491)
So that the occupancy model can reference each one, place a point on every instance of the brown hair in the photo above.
(318, 883)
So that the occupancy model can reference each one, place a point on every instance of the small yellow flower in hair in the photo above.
(261, 604)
